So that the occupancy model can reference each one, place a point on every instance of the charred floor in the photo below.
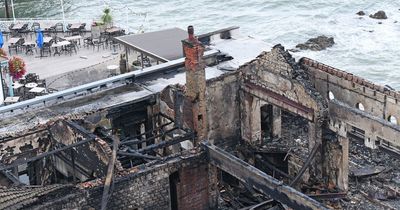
(231, 130)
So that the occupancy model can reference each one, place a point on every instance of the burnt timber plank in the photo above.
(260, 180)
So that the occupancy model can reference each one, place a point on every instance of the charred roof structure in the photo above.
(235, 124)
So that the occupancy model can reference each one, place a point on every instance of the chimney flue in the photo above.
(191, 33)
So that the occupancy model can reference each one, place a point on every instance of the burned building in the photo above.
(233, 125)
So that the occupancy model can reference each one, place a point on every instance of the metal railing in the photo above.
(99, 85)
(6, 22)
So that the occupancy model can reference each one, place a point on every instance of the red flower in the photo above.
(17, 67)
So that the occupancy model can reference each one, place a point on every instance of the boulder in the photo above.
(379, 15)
(317, 44)
(361, 13)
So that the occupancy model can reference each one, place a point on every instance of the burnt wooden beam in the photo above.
(328, 196)
(78, 128)
(272, 167)
(138, 155)
(147, 132)
(306, 164)
(259, 180)
(137, 141)
(12, 177)
(110, 174)
(187, 136)
(45, 154)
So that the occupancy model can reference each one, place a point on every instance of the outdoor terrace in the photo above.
(67, 59)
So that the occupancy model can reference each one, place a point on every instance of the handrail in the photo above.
(75, 91)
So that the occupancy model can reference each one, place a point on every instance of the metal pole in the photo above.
(7, 9)
(63, 14)
(12, 7)
(2, 94)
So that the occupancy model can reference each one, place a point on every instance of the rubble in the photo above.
(266, 135)
(367, 171)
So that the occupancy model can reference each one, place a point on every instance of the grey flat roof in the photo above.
(165, 45)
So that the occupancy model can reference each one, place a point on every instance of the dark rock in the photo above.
(294, 50)
(361, 13)
(395, 21)
(379, 15)
(379, 22)
(317, 44)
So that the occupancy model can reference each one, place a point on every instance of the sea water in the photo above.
(364, 46)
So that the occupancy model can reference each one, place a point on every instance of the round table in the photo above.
(31, 85)
(113, 69)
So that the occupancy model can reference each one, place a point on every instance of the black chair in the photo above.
(82, 30)
(13, 47)
(97, 42)
(31, 77)
(11, 26)
(41, 83)
(59, 28)
(68, 27)
(71, 47)
(46, 49)
(24, 30)
(13, 33)
(34, 28)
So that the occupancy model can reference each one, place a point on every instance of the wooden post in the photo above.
(73, 165)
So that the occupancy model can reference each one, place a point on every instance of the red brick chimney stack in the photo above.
(196, 83)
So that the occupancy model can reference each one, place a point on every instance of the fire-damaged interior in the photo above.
(274, 133)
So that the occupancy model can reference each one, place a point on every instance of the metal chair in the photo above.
(13, 47)
(24, 30)
(59, 28)
(71, 47)
(31, 77)
(82, 29)
(46, 49)
(69, 31)
(34, 28)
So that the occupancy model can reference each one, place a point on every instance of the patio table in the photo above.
(29, 46)
(31, 85)
(17, 85)
(37, 90)
(59, 45)
(11, 100)
(18, 26)
(46, 26)
(113, 30)
(75, 26)
(73, 38)
(14, 40)
(47, 39)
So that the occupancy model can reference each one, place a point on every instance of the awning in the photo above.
(164, 45)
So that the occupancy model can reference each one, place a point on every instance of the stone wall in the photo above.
(193, 187)
(147, 187)
(223, 109)
(377, 101)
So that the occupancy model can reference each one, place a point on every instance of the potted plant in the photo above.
(3, 53)
(16, 67)
(106, 18)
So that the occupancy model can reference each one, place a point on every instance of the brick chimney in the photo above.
(196, 83)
